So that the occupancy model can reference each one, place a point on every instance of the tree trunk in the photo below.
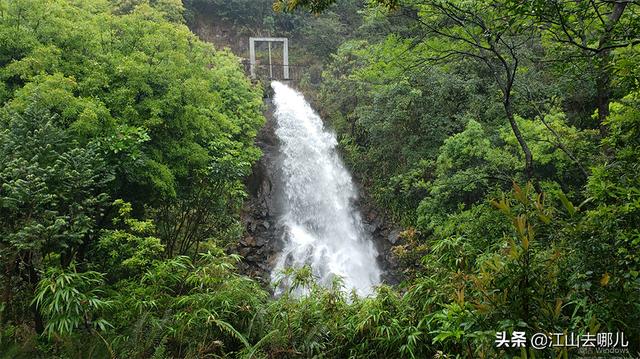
(7, 291)
(33, 279)
(603, 61)
(37, 318)
(603, 92)
(528, 157)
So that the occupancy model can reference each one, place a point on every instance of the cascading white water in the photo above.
(322, 227)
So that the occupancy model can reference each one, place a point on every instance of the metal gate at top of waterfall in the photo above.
(269, 40)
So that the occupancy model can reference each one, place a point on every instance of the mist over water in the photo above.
(322, 227)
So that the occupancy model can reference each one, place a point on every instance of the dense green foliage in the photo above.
(444, 121)
(503, 136)
(124, 141)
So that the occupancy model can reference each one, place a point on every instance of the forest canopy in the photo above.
(124, 142)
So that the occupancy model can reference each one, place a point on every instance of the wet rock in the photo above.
(261, 241)
(377, 224)
(394, 236)
(369, 227)
(244, 251)
(248, 241)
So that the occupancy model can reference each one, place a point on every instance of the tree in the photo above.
(593, 29)
(52, 197)
(482, 30)
(164, 106)
(488, 32)
(112, 99)
(315, 6)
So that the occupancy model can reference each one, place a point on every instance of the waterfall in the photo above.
(322, 228)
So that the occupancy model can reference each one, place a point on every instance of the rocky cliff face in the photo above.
(261, 242)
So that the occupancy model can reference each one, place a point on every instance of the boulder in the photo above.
(394, 236)
(248, 241)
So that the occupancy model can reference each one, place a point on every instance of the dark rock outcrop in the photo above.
(262, 238)
(381, 231)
